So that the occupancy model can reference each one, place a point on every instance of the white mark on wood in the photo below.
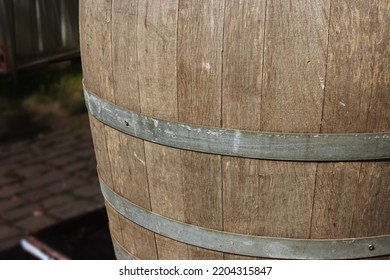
(108, 16)
(206, 66)
(155, 123)
(322, 83)
(342, 104)
(137, 157)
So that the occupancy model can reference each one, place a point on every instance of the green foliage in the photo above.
(44, 86)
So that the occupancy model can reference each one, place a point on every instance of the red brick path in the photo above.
(44, 181)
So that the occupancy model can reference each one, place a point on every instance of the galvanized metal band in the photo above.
(120, 252)
(250, 144)
(258, 246)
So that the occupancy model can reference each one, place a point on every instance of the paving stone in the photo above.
(59, 151)
(77, 167)
(49, 173)
(73, 209)
(9, 204)
(66, 185)
(35, 195)
(20, 158)
(85, 154)
(63, 160)
(21, 212)
(49, 178)
(34, 223)
(61, 199)
(9, 151)
(8, 191)
(7, 232)
(5, 181)
(8, 243)
(7, 168)
(88, 191)
(32, 171)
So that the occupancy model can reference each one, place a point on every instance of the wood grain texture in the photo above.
(241, 109)
(114, 224)
(95, 47)
(127, 155)
(294, 68)
(169, 249)
(241, 197)
(378, 118)
(295, 51)
(350, 66)
(200, 36)
(97, 69)
(157, 57)
(243, 64)
(356, 100)
(125, 55)
(137, 240)
(199, 61)
(156, 37)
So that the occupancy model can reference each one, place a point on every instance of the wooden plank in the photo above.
(170, 249)
(127, 155)
(350, 67)
(335, 193)
(128, 167)
(240, 198)
(137, 240)
(164, 176)
(114, 224)
(95, 47)
(202, 187)
(373, 201)
(242, 64)
(95, 18)
(157, 40)
(293, 87)
(241, 109)
(200, 33)
(199, 62)
(375, 197)
(378, 118)
(157, 33)
(124, 54)
(357, 100)
(294, 66)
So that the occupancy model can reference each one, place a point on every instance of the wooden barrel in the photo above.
(241, 129)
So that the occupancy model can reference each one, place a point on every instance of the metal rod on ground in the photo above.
(41, 250)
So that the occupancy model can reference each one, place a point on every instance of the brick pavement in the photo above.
(46, 180)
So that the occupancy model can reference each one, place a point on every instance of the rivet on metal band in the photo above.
(258, 246)
(241, 143)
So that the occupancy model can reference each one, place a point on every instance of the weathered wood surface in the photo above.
(307, 66)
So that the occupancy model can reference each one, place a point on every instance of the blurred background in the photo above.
(50, 201)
